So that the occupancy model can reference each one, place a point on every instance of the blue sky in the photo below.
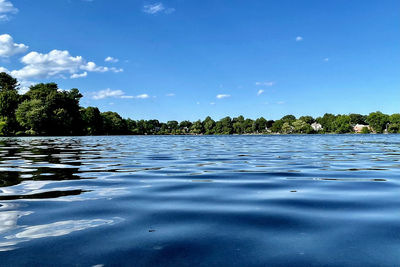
(186, 59)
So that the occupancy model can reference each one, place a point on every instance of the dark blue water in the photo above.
(330, 200)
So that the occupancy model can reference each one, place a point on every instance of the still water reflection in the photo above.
(331, 200)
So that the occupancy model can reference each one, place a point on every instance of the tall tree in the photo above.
(93, 121)
(7, 82)
(378, 121)
(209, 125)
(260, 125)
(9, 101)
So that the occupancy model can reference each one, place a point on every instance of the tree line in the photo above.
(46, 110)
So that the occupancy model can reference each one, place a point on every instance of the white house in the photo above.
(358, 127)
(316, 126)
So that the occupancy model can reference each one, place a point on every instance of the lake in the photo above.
(306, 200)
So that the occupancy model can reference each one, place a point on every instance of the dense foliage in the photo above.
(47, 110)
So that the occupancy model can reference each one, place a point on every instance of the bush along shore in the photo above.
(46, 110)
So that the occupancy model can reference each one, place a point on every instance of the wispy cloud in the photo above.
(170, 94)
(81, 75)
(261, 91)
(157, 8)
(267, 84)
(299, 39)
(142, 96)
(111, 59)
(6, 9)
(221, 96)
(108, 93)
(326, 59)
(281, 102)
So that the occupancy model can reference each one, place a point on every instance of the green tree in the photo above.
(394, 128)
(7, 82)
(197, 127)
(378, 121)
(300, 126)
(93, 121)
(209, 125)
(248, 125)
(260, 125)
(238, 126)
(288, 118)
(32, 115)
(277, 126)
(327, 122)
(184, 126)
(342, 124)
(9, 101)
(140, 127)
(113, 123)
(152, 126)
(286, 128)
(307, 119)
(3, 124)
(357, 119)
(62, 109)
(173, 126)
(365, 130)
(226, 125)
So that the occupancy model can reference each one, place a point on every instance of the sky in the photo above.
(186, 59)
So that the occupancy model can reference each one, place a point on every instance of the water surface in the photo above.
(314, 200)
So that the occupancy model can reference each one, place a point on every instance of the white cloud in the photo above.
(260, 92)
(220, 96)
(170, 94)
(6, 8)
(111, 59)
(142, 96)
(281, 102)
(299, 39)
(90, 66)
(157, 8)
(56, 63)
(8, 47)
(2, 69)
(153, 8)
(212, 103)
(116, 70)
(268, 84)
(107, 93)
(326, 59)
(77, 75)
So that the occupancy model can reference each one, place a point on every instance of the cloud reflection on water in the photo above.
(8, 223)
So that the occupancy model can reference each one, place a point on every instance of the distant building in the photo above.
(359, 127)
(316, 126)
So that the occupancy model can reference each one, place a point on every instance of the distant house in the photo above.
(316, 126)
(359, 127)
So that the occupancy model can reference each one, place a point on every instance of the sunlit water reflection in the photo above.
(330, 200)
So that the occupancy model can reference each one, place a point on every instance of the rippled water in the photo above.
(330, 200)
